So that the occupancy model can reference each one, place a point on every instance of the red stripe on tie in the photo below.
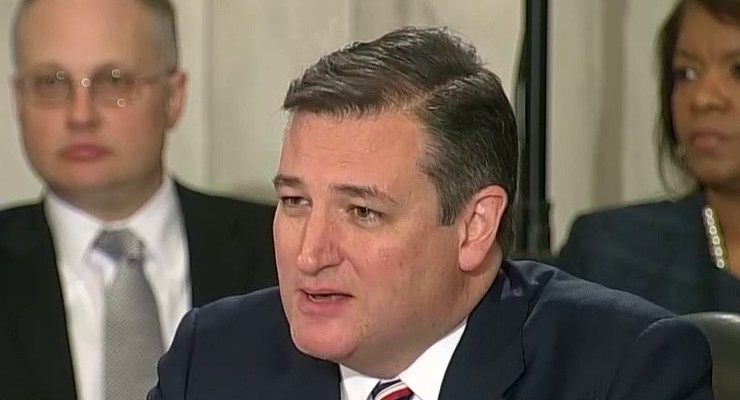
(400, 394)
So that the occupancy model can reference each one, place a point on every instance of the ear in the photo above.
(16, 95)
(479, 224)
(176, 97)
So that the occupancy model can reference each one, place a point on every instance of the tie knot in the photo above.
(391, 390)
(120, 245)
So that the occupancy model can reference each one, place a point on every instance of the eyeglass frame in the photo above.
(21, 82)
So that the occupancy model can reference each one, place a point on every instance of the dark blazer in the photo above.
(658, 251)
(231, 252)
(538, 334)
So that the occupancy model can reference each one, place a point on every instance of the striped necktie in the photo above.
(391, 390)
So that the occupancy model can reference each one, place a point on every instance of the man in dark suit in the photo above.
(95, 278)
(397, 174)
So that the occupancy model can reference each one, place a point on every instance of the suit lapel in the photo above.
(489, 357)
(687, 265)
(208, 232)
(307, 378)
(36, 296)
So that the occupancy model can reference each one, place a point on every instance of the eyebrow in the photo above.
(45, 66)
(364, 192)
(282, 180)
(351, 190)
(734, 53)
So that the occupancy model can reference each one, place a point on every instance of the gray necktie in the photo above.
(133, 341)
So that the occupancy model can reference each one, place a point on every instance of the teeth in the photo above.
(323, 297)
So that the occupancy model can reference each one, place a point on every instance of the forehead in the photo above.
(83, 34)
(700, 28)
(380, 149)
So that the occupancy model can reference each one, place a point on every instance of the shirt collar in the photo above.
(355, 385)
(74, 230)
(157, 222)
(424, 376)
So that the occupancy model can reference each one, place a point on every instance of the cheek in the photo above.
(433, 258)
(679, 112)
(403, 278)
(138, 131)
(286, 239)
(41, 132)
(379, 269)
(407, 252)
(395, 262)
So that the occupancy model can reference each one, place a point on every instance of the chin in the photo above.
(324, 344)
(82, 186)
(715, 173)
(717, 180)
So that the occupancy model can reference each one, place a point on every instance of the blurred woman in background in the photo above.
(682, 254)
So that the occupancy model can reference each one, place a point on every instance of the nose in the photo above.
(710, 93)
(82, 113)
(319, 244)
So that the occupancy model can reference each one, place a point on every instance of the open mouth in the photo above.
(325, 297)
(324, 303)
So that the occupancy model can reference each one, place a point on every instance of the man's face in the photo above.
(365, 267)
(81, 146)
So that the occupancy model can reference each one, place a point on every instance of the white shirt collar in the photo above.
(424, 376)
(74, 230)
(154, 222)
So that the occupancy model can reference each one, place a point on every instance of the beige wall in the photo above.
(242, 53)
(276, 39)
(16, 181)
(258, 46)
(602, 105)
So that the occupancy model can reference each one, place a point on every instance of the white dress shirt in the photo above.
(85, 271)
(424, 377)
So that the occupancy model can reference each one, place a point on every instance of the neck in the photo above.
(111, 204)
(470, 292)
(727, 210)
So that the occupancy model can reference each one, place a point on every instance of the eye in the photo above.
(50, 86)
(294, 206)
(366, 214)
(682, 74)
(115, 82)
(48, 80)
(735, 71)
(117, 77)
(293, 201)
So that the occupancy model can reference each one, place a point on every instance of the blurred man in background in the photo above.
(96, 276)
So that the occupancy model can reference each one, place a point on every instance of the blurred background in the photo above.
(241, 55)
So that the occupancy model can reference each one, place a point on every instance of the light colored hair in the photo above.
(162, 11)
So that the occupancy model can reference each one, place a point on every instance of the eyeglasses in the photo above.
(109, 88)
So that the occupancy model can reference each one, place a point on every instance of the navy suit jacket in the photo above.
(538, 333)
(658, 251)
(231, 252)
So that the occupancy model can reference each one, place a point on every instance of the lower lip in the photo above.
(706, 141)
(84, 153)
(321, 305)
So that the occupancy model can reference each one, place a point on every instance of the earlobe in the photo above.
(480, 225)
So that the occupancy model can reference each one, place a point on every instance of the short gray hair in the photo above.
(162, 11)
